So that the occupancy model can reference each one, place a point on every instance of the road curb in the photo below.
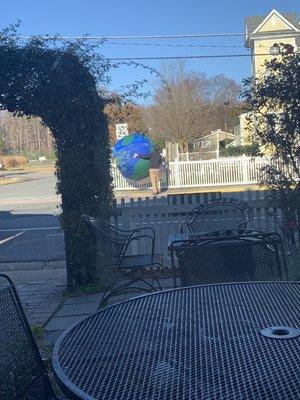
(31, 265)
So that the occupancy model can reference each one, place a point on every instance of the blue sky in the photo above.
(155, 17)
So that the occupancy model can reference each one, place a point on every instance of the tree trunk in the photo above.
(183, 147)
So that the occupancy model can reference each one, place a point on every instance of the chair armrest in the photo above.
(184, 228)
(137, 238)
(146, 228)
(142, 232)
(130, 240)
(128, 231)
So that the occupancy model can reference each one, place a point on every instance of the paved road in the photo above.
(38, 188)
(29, 226)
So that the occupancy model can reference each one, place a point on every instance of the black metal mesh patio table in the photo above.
(225, 341)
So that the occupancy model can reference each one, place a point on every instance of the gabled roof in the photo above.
(215, 133)
(252, 23)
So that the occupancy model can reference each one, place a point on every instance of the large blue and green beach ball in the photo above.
(128, 152)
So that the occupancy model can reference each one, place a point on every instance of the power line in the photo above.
(173, 45)
(186, 57)
(129, 37)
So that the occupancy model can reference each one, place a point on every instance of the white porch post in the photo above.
(245, 165)
(176, 173)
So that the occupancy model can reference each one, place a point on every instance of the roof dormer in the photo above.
(273, 24)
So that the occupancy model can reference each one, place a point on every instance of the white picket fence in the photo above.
(216, 172)
(166, 215)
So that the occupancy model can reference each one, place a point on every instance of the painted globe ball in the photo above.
(128, 153)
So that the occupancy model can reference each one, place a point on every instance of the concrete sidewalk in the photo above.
(41, 292)
(75, 308)
(47, 305)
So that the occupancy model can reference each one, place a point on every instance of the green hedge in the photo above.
(248, 150)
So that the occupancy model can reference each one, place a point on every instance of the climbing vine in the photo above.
(59, 82)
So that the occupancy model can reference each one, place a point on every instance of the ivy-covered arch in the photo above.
(58, 83)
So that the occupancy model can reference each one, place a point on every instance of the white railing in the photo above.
(216, 172)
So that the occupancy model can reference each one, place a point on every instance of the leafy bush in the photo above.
(236, 151)
(273, 103)
(14, 161)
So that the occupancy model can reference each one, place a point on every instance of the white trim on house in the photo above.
(280, 17)
(228, 134)
(277, 36)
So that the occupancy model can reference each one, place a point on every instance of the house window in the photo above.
(205, 144)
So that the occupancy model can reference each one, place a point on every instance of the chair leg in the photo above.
(110, 291)
(174, 277)
(153, 278)
(147, 283)
(140, 277)
(118, 292)
(107, 294)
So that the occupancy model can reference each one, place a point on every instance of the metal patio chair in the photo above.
(22, 373)
(229, 256)
(213, 215)
(113, 250)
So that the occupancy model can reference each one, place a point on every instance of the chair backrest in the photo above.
(229, 256)
(227, 213)
(111, 241)
(22, 373)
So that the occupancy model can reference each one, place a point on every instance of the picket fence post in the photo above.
(245, 165)
(176, 173)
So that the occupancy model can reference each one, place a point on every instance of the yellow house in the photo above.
(263, 34)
